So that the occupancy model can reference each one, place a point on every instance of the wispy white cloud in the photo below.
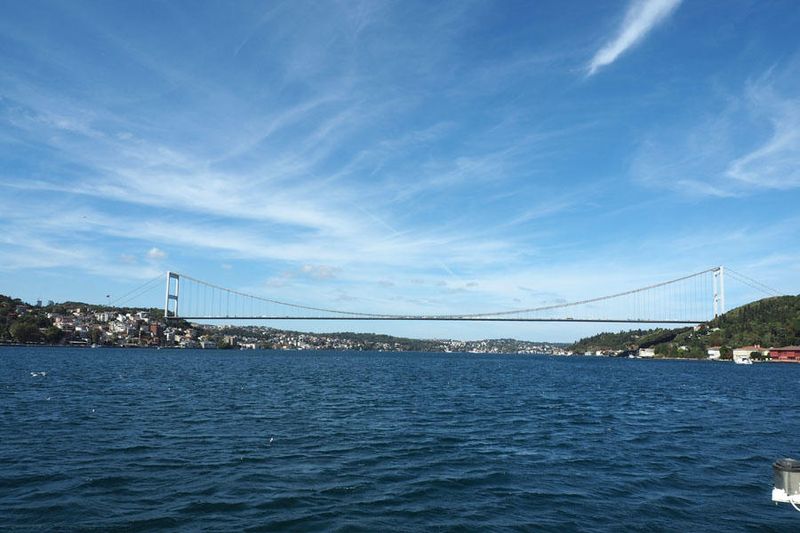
(304, 274)
(281, 197)
(775, 163)
(320, 272)
(641, 17)
(33, 251)
(156, 254)
(751, 145)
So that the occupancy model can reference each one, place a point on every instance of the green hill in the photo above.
(625, 340)
(768, 322)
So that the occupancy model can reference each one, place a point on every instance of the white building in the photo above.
(742, 353)
(714, 352)
(647, 352)
(105, 316)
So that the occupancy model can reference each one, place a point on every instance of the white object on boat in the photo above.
(786, 489)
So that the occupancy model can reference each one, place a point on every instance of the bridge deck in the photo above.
(443, 319)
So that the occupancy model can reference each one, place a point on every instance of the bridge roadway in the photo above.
(442, 319)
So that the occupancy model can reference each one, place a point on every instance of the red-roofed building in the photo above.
(743, 353)
(785, 354)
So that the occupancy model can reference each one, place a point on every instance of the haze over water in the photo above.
(137, 439)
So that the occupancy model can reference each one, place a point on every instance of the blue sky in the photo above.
(409, 157)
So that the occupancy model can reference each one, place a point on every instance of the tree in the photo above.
(53, 335)
(25, 332)
(726, 354)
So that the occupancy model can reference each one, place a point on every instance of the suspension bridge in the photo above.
(690, 299)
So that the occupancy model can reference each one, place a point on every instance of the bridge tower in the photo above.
(719, 291)
(173, 291)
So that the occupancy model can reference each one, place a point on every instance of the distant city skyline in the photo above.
(398, 157)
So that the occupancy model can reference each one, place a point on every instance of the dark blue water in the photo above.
(136, 440)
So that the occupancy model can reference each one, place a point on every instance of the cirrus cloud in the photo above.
(641, 17)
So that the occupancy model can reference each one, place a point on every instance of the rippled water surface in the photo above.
(138, 439)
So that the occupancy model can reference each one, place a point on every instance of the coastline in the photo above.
(179, 348)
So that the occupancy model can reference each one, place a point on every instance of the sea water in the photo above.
(125, 439)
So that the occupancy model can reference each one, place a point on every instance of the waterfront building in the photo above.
(785, 354)
(743, 353)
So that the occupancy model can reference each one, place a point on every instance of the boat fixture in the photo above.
(787, 482)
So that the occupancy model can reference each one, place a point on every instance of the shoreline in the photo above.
(178, 348)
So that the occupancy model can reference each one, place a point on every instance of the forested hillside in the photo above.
(769, 322)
